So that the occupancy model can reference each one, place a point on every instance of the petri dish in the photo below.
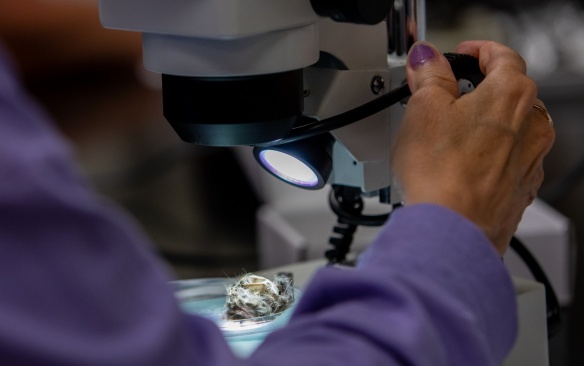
(206, 297)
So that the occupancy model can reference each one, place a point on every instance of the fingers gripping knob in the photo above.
(465, 86)
(468, 73)
(466, 70)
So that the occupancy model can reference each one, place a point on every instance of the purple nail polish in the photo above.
(420, 54)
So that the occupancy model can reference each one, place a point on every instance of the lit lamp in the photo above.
(305, 163)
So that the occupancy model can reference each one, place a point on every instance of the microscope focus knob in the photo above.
(353, 11)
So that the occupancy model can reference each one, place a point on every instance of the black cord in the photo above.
(312, 127)
(554, 321)
(347, 204)
(352, 217)
(347, 200)
(464, 67)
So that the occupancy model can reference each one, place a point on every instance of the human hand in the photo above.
(481, 154)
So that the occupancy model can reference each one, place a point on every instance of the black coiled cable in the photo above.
(554, 320)
(347, 204)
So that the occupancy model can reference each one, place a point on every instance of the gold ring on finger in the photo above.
(545, 113)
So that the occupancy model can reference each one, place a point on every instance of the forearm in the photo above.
(408, 301)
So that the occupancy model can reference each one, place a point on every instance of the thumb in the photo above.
(427, 67)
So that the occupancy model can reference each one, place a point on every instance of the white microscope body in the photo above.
(209, 39)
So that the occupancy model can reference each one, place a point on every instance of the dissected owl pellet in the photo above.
(253, 296)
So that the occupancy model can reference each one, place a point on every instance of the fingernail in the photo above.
(420, 54)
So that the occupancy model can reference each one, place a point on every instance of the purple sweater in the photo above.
(80, 285)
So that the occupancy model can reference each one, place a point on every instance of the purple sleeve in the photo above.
(431, 290)
(80, 285)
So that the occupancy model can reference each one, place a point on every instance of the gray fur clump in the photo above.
(253, 296)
